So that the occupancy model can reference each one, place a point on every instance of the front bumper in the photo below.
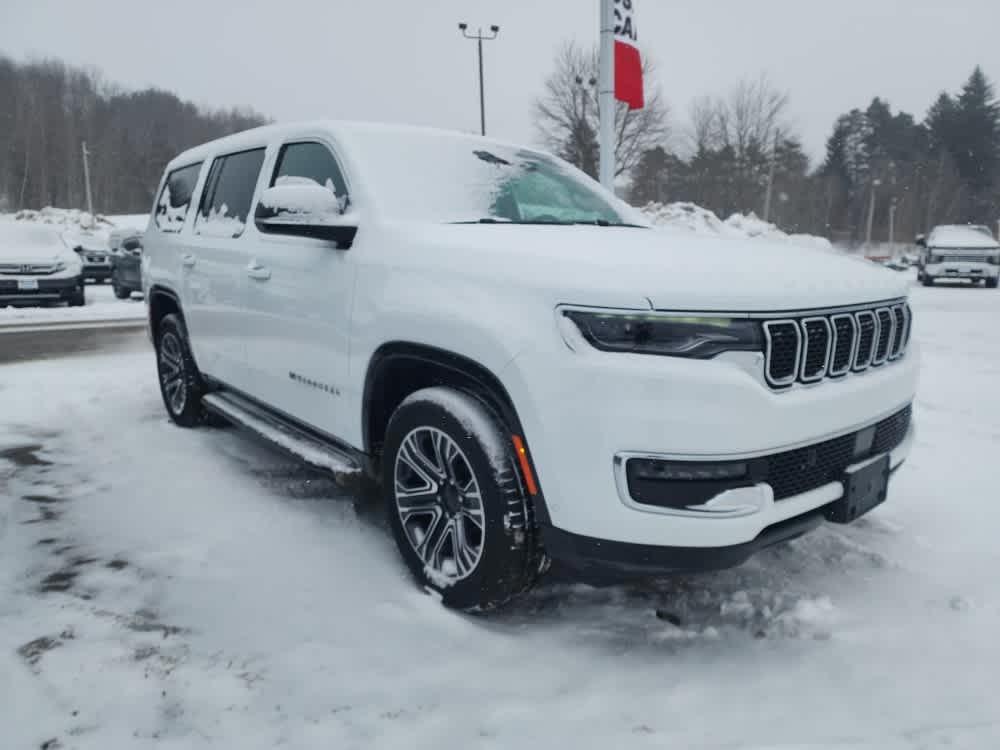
(96, 271)
(580, 410)
(789, 518)
(49, 289)
(960, 270)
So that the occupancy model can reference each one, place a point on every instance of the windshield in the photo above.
(441, 177)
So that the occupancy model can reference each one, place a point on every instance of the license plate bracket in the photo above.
(27, 285)
(865, 488)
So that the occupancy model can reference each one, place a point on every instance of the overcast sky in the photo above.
(405, 60)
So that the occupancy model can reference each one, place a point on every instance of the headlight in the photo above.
(993, 260)
(60, 266)
(935, 259)
(667, 335)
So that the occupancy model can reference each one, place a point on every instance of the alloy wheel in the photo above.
(172, 375)
(440, 504)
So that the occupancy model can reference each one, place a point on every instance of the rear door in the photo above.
(214, 266)
(299, 300)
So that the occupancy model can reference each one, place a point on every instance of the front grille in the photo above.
(27, 269)
(796, 471)
(961, 259)
(807, 349)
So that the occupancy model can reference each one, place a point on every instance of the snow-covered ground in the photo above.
(182, 589)
(102, 305)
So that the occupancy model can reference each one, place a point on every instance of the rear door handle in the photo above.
(188, 260)
(256, 271)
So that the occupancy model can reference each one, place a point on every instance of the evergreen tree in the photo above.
(976, 146)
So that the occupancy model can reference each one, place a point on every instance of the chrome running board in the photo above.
(282, 433)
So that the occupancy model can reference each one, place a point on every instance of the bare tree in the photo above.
(568, 119)
(733, 138)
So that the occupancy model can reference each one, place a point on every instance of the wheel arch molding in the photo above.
(399, 368)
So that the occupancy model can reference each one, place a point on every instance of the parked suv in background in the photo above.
(959, 252)
(126, 264)
(36, 267)
(526, 368)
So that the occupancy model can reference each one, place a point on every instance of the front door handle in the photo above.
(256, 271)
(188, 260)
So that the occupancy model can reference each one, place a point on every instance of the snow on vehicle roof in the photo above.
(256, 137)
(962, 236)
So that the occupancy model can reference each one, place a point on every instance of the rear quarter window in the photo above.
(175, 198)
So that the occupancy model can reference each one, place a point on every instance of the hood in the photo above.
(666, 268)
(32, 243)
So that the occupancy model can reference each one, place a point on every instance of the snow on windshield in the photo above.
(442, 177)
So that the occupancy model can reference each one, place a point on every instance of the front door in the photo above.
(299, 304)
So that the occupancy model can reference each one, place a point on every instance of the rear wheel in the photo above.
(927, 280)
(455, 503)
(181, 384)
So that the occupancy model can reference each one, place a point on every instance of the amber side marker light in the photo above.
(522, 458)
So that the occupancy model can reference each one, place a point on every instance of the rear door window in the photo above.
(313, 162)
(229, 189)
(175, 199)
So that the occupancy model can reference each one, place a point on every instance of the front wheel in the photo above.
(928, 280)
(992, 283)
(455, 503)
(120, 292)
(78, 298)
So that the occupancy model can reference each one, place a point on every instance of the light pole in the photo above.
(892, 224)
(871, 214)
(86, 177)
(480, 38)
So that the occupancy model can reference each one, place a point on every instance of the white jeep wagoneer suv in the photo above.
(526, 368)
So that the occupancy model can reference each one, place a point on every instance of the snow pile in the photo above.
(78, 227)
(740, 226)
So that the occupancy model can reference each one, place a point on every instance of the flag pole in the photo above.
(606, 94)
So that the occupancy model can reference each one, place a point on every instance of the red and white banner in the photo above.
(628, 62)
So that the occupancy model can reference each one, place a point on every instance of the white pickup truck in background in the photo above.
(959, 252)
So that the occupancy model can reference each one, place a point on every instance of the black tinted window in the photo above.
(311, 161)
(228, 193)
(172, 207)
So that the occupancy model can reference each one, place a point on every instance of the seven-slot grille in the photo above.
(808, 349)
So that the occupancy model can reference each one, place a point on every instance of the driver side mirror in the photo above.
(303, 209)
(921, 240)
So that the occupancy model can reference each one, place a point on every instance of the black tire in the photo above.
(509, 557)
(927, 281)
(991, 283)
(120, 292)
(78, 298)
(181, 385)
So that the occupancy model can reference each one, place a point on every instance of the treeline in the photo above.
(884, 172)
(49, 109)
